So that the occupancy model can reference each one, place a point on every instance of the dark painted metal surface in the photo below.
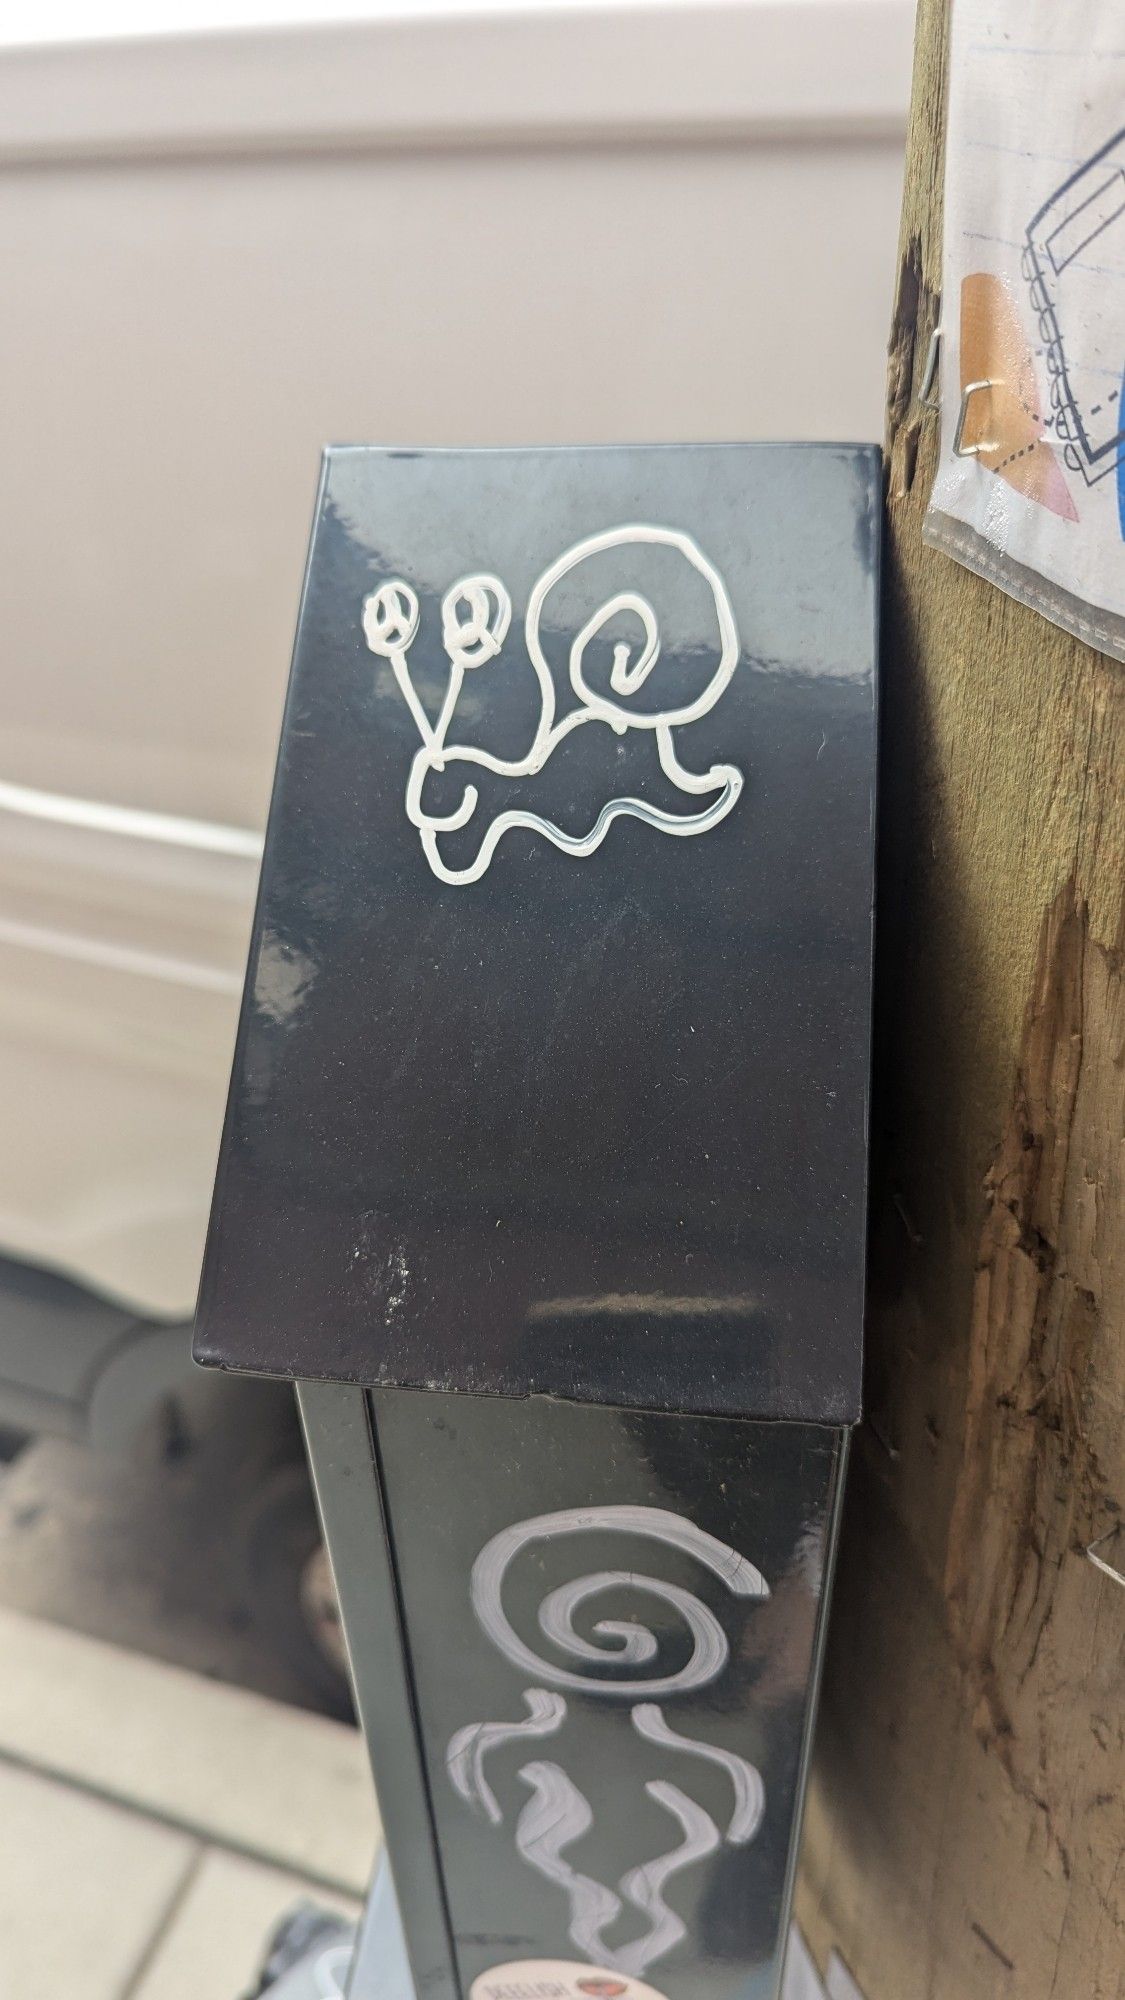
(590, 1123)
(597, 1798)
(352, 1503)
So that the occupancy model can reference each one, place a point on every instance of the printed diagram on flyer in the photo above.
(1030, 486)
(1054, 405)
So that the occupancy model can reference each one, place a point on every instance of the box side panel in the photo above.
(614, 1622)
(552, 1075)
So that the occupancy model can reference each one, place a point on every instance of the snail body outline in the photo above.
(476, 611)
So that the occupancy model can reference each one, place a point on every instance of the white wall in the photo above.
(595, 225)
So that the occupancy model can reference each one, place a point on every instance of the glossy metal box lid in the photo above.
(552, 1069)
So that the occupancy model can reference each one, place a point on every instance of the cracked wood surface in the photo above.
(966, 1829)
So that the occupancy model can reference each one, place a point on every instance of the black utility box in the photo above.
(547, 1133)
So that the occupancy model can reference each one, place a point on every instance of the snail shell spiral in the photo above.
(632, 664)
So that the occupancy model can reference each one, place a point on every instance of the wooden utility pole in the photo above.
(966, 1834)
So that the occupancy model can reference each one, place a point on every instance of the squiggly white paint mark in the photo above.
(709, 1650)
(749, 1791)
(475, 618)
(554, 1817)
(468, 1749)
(557, 1815)
(644, 1886)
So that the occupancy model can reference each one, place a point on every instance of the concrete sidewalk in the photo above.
(155, 1824)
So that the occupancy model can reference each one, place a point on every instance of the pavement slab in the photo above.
(213, 1946)
(85, 1887)
(230, 1767)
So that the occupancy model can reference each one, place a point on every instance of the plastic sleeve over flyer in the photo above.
(1030, 489)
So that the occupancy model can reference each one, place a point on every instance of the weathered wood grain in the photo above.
(966, 1831)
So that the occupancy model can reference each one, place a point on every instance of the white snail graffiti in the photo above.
(557, 1814)
(476, 613)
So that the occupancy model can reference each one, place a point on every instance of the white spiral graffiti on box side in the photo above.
(627, 1643)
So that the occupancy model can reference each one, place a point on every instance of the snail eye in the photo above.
(390, 617)
(474, 620)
